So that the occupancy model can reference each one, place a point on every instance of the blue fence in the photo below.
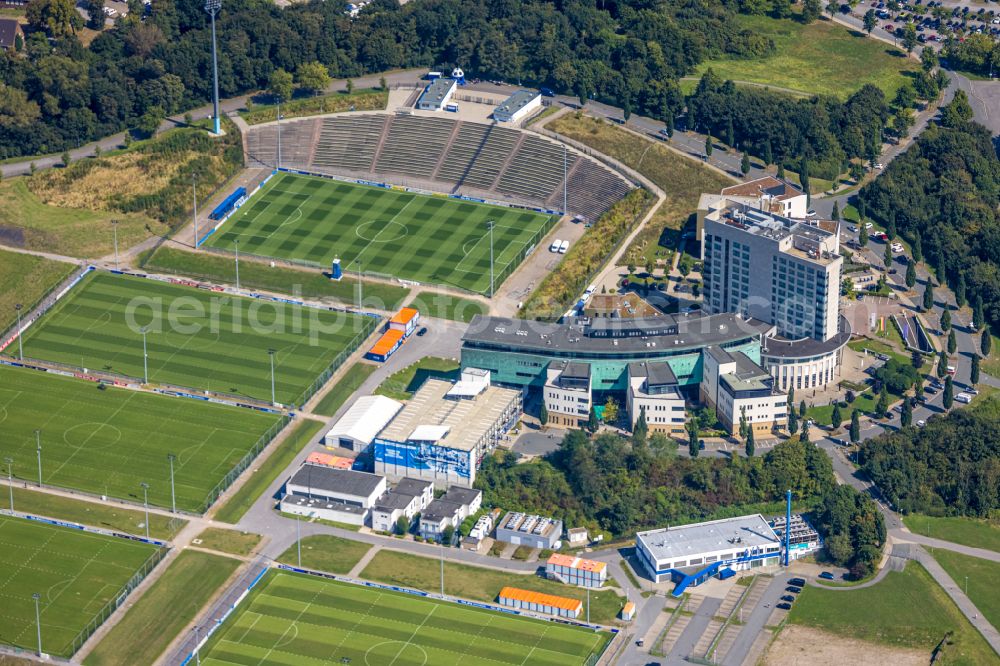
(228, 204)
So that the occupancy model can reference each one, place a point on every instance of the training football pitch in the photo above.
(297, 619)
(405, 235)
(109, 441)
(195, 338)
(75, 573)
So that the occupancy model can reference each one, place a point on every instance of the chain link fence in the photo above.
(368, 324)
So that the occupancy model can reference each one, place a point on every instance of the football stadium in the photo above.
(79, 577)
(306, 618)
(107, 442)
(197, 339)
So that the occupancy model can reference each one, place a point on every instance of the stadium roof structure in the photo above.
(366, 418)
(684, 541)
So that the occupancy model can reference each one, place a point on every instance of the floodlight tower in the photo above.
(213, 7)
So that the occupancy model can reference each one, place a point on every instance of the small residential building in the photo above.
(567, 394)
(529, 530)
(538, 602)
(334, 494)
(574, 570)
(654, 391)
(737, 387)
(628, 611)
(359, 425)
(577, 537)
(518, 106)
(386, 345)
(437, 94)
(449, 510)
(405, 321)
(10, 33)
(407, 499)
(691, 554)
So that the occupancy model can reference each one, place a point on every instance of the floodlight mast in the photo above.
(213, 7)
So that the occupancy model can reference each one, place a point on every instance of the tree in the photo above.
(610, 414)
(743, 423)
(977, 313)
(57, 18)
(958, 112)
(313, 76)
(960, 296)
(641, 429)
(916, 359)
(802, 409)
(917, 248)
(402, 525)
(349, 86)
(952, 343)
(835, 213)
(627, 108)
(887, 256)
(855, 427)
(804, 432)
(383, 84)
(150, 121)
(856, 171)
(793, 419)
(95, 14)
(847, 288)
(279, 85)
(906, 416)
(909, 37)
(65, 158)
(985, 342)
(870, 21)
(708, 146)
(811, 11)
(768, 155)
(949, 393)
(863, 236)
(745, 164)
(592, 422)
(543, 415)
(928, 59)
(928, 297)
(974, 372)
(942, 366)
(781, 171)
(751, 445)
(946, 320)
(911, 274)
(835, 417)
(670, 126)
(692, 433)
(730, 134)
(447, 535)
(882, 405)
(804, 176)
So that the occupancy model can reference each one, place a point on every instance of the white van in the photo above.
(963, 397)
(555, 245)
(563, 246)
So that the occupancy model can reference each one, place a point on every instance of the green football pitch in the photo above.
(196, 338)
(405, 235)
(109, 441)
(75, 573)
(299, 619)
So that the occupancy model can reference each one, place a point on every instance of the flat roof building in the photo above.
(437, 94)
(335, 494)
(356, 429)
(574, 570)
(407, 499)
(539, 602)
(445, 430)
(518, 106)
(449, 510)
(529, 530)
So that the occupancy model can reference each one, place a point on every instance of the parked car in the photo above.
(789, 598)
(793, 589)
(422, 332)
(784, 606)
(921, 423)
(797, 581)
(826, 575)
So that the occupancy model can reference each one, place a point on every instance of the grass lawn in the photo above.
(403, 384)
(413, 236)
(312, 619)
(368, 99)
(77, 574)
(883, 346)
(146, 630)
(200, 339)
(106, 442)
(25, 279)
(906, 609)
(233, 542)
(823, 414)
(480, 584)
(350, 381)
(957, 529)
(991, 365)
(443, 306)
(681, 179)
(324, 552)
(979, 578)
(95, 514)
(822, 58)
(261, 475)
(304, 283)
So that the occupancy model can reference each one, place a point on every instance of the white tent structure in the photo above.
(366, 418)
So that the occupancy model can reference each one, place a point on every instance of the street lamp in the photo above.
(298, 540)
(194, 197)
(145, 503)
(270, 352)
(279, 133)
(145, 356)
(360, 295)
(114, 227)
(236, 244)
(197, 641)
(491, 224)
(38, 621)
(213, 7)
(173, 497)
(20, 347)
(38, 449)
(10, 481)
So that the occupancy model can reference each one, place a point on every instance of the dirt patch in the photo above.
(799, 645)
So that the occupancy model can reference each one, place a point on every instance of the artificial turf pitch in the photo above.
(298, 619)
(109, 441)
(405, 235)
(76, 573)
(212, 341)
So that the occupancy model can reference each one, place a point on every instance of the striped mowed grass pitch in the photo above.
(417, 237)
(75, 573)
(296, 619)
(107, 442)
(199, 339)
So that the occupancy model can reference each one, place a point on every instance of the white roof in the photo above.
(429, 433)
(473, 382)
(365, 419)
(729, 534)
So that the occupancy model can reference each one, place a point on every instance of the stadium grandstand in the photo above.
(445, 155)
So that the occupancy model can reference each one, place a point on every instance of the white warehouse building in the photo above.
(359, 425)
